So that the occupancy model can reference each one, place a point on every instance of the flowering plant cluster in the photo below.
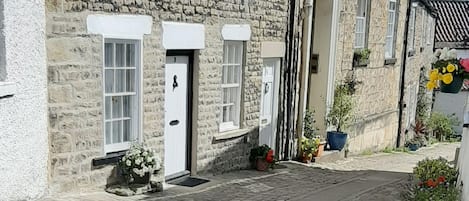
(446, 67)
(309, 146)
(138, 161)
(262, 152)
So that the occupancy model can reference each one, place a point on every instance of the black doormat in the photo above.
(189, 181)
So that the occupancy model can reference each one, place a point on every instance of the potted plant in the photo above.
(308, 148)
(413, 144)
(310, 133)
(442, 125)
(340, 116)
(361, 57)
(320, 146)
(448, 71)
(138, 163)
(262, 157)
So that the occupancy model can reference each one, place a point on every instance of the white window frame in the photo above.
(239, 63)
(389, 53)
(136, 132)
(364, 20)
(411, 42)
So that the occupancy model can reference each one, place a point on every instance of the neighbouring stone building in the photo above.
(197, 80)
(342, 29)
(419, 51)
(23, 100)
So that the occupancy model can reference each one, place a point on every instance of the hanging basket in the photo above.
(454, 87)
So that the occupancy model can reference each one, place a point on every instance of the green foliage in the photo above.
(423, 101)
(308, 128)
(259, 151)
(367, 152)
(309, 146)
(434, 168)
(442, 125)
(362, 54)
(387, 150)
(437, 180)
(341, 113)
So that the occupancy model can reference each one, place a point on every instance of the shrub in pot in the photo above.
(442, 125)
(262, 157)
(138, 164)
(340, 116)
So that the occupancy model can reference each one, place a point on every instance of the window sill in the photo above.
(108, 159)
(231, 134)
(7, 89)
(390, 61)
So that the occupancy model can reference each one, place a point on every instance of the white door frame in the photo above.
(276, 87)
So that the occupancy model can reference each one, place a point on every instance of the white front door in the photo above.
(269, 100)
(175, 116)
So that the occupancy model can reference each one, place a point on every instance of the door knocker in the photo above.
(175, 82)
(266, 88)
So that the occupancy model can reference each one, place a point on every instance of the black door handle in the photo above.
(174, 122)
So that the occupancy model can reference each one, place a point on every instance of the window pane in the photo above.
(127, 130)
(116, 131)
(225, 114)
(130, 59)
(116, 106)
(238, 54)
(108, 133)
(234, 95)
(127, 104)
(236, 74)
(130, 79)
(225, 74)
(108, 104)
(120, 55)
(361, 8)
(108, 55)
(392, 5)
(225, 96)
(232, 113)
(109, 81)
(120, 81)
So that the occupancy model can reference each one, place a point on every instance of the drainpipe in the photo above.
(307, 45)
(402, 79)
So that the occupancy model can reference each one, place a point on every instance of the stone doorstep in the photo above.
(330, 156)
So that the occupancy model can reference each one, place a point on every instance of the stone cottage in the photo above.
(23, 100)
(197, 81)
(415, 98)
(342, 28)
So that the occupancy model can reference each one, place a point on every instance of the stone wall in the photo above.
(417, 64)
(75, 75)
(376, 99)
(23, 115)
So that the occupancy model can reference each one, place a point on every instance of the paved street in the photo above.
(375, 177)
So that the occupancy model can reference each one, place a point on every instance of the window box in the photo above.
(390, 61)
(361, 58)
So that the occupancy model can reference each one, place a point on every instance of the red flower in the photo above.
(270, 156)
(431, 183)
(465, 64)
(441, 179)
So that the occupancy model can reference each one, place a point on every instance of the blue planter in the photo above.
(336, 140)
(413, 147)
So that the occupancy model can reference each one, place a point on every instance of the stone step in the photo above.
(330, 156)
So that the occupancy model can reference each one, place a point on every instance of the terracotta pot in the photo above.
(307, 158)
(261, 164)
(320, 150)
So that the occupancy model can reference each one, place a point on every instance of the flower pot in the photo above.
(454, 87)
(320, 150)
(261, 164)
(141, 180)
(307, 158)
(336, 140)
(413, 147)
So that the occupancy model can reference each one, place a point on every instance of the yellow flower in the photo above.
(444, 70)
(440, 76)
(447, 78)
(431, 85)
(433, 76)
(451, 68)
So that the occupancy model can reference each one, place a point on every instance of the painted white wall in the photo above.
(23, 117)
(463, 164)
(321, 45)
(462, 53)
(451, 104)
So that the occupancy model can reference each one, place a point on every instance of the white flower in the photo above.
(128, 162)
(145, 153)
(437, 53)
(138, 161)
(452, 54)
(434, 59)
